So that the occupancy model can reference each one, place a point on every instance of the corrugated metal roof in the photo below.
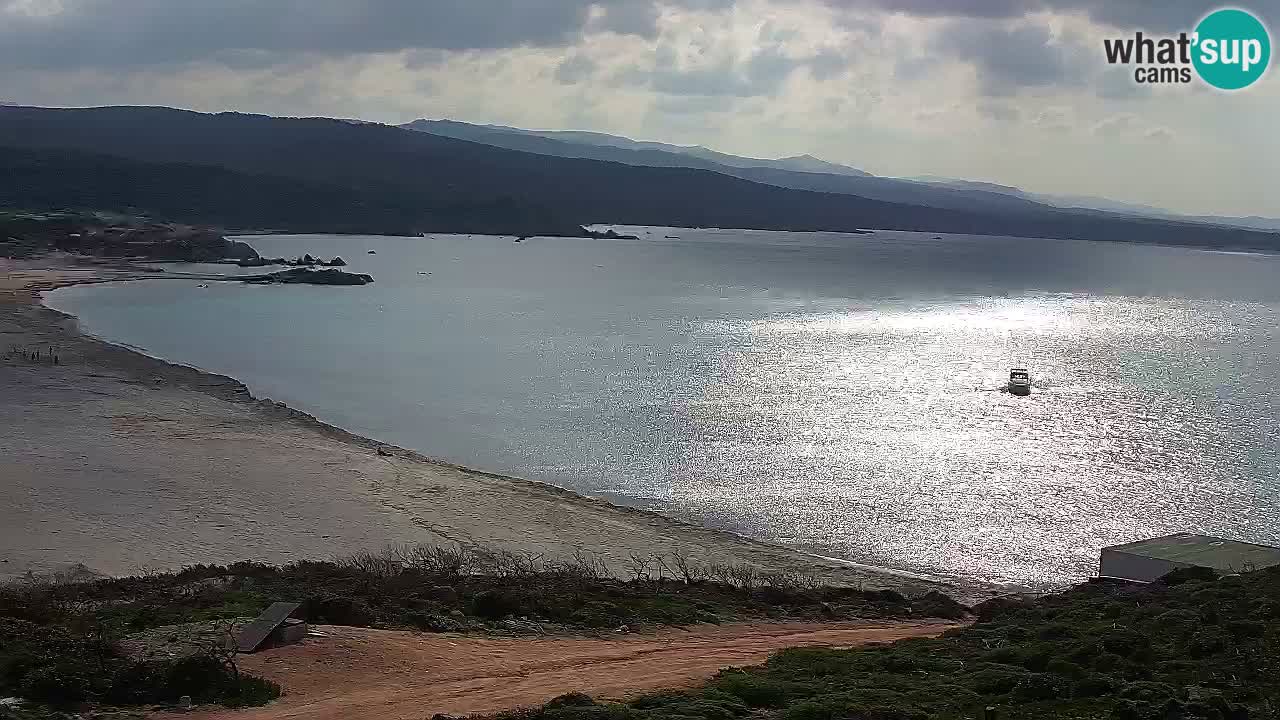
(1203, 550)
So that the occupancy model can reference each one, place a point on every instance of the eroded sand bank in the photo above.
(126, 463)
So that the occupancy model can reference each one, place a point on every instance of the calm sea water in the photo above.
(842, 394)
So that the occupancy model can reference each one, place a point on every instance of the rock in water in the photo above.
(308, 276)
(337, 262)
(238, 250)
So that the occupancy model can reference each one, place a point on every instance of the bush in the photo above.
(59, 685)
(573, 699)
(597, 614)
(430, 622)
(338, 610)
(827, 710)
(1041, 686)
(996, 681)
(935, 604)
(1246, 629)
(1208, 641)
(753, 690)
(1064, 668)
(495, 604)
(1148, 692)
(1094, 685)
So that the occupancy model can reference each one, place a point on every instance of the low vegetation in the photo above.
(1192, 646)
(65, 641)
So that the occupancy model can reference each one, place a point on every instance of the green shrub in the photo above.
(1148, 692)
(597, 614)
(1041, 686)
(1246, 629)
(1094, 685)
(1109, 662)
(1208, 641)
(61, 684)
(342, 610)
(573, 699)
(495, 604)
(753, 690)
(430, 622)
(935, 604)
(827, 710)
(996, 680)
(1064, 668)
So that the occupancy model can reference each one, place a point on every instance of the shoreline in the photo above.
(609, 529)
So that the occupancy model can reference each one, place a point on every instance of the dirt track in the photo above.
(354, 674)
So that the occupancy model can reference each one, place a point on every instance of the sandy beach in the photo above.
(127, 464)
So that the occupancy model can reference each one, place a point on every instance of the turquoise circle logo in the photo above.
(1233, 49)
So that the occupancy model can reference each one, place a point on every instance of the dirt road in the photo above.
(355, 674)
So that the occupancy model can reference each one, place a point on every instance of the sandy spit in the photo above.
(127, 464)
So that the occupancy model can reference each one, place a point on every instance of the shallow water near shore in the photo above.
(840, 394)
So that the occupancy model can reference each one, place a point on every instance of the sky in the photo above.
(1015, 92)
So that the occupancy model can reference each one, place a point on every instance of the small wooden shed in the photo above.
(276, 626)
(1149, 560)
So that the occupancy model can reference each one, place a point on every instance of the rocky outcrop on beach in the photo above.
(26, 234)
(307, 276)
(609, 235)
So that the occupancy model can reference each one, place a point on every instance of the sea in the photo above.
(840, 394)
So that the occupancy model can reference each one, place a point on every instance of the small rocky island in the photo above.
(304, 261)
(307, 276)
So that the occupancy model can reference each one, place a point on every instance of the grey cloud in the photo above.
(1115, 125)
(827, 63)
(574, 69)
(1161, 15)
(1054, 119)
(629, 18)
(1012, 58)
(999, 111)
(1118, 84)
(943, 8)
(761, 74)
(124, 33)
(688, 104)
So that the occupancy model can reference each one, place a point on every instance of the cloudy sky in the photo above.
(1009, 91)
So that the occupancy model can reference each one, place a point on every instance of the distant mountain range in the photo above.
(800, 163)
(799, 173)
(1088, 202)
(312, 174)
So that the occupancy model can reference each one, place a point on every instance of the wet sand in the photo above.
(355, 673)
(127, 464)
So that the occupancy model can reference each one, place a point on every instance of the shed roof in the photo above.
(1204, 550)
(257, 632)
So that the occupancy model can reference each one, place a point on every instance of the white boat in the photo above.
(1019, 381)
